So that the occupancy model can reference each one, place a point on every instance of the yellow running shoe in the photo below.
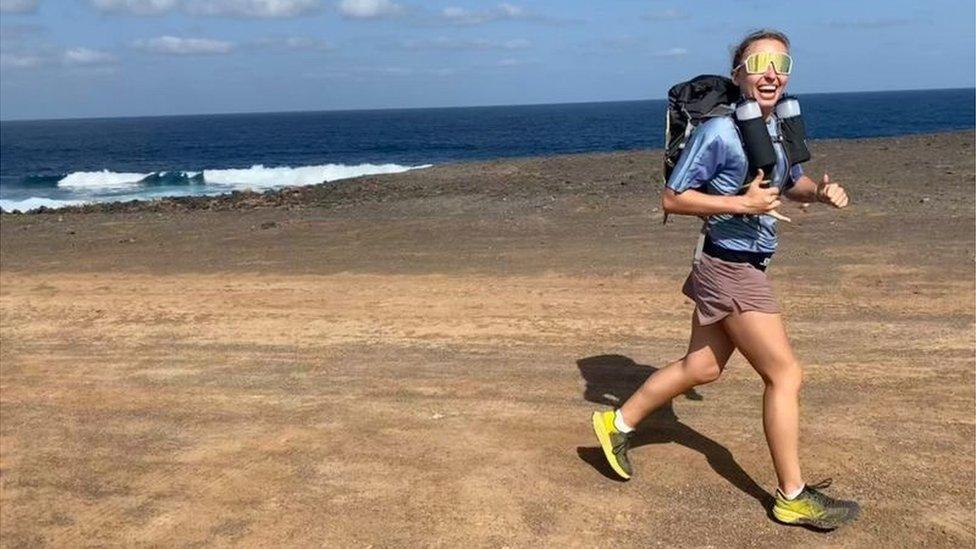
(614, 443)
(814, 508)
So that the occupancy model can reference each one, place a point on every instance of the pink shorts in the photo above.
(720, 288)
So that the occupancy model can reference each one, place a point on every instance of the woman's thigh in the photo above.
(762, 339)
(710, 347)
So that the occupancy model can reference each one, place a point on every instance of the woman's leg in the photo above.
(708, 351)
(761, 338)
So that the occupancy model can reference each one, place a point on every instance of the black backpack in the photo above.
(691, 103)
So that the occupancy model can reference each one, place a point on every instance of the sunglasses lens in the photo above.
(753, 62)
(758, 62)
(783, 63)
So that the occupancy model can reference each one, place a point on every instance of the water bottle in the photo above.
(755, 137)
(794, 130)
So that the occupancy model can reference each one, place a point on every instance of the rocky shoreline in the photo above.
(491, 178)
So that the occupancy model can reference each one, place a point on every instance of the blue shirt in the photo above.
(715, 162)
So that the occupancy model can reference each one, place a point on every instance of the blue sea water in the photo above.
(57, 162)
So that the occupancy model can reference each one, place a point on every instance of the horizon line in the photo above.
(375, 109)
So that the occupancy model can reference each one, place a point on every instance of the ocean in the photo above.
(59, 162)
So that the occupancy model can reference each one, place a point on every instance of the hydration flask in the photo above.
(755, 137)
(793, 129)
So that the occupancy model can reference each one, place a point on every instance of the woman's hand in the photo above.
(756, 201)
(759, 200)
(831, 193)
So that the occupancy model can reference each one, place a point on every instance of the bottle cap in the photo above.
(788, 108)
(748, 110)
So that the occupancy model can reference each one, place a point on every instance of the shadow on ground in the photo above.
(611, 379)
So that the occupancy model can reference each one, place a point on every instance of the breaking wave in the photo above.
(255, 177)
(108, 186)
(100, 180)
(34, 203)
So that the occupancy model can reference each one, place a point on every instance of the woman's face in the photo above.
(766, 88)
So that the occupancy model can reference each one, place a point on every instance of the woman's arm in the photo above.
(756, 200)
(804, 190)
(808, 190)
(692, 202)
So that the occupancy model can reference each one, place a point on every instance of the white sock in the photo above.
(794, 493)
(620, 424)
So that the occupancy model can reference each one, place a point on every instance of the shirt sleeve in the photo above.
(796, 172)
(699, 162)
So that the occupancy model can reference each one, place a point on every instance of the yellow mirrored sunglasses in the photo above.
(759, 61)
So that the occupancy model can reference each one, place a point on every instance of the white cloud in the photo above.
(366, 74)
(296, 43)
(881, 23)
(622, 42)
(406, 71)
(94, 70)
(172, 45)
(517, 44)
(454, 15)
(85, 56)
(451, 44)
(18, 6)
(462, 16)
(17, 61)
(666, 15)
(390, 71)
(673, 52)
(511, 11)
(441, 72)
(135, 7)
(264, 9)
(509, 63)
(369, 9)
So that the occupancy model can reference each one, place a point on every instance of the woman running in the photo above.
(734, 303)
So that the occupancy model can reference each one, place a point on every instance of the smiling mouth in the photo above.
(767, 92)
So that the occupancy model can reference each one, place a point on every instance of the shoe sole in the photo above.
(791, 518)
(604, 439)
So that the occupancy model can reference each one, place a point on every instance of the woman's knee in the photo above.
(785, 376)
(701, 371)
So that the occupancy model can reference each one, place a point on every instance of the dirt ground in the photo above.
(415, 364)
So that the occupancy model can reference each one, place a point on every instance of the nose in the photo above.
(770, 73)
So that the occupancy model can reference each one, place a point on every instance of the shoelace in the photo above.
(820, 485)
(622, 443)
(820, 497)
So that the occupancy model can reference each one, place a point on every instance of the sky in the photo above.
(93, 58)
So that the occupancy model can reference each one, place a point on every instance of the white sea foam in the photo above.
(101, 180)
(255, 177)
(34, 203)
(259, 176)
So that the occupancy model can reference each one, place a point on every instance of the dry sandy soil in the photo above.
(412, 360)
